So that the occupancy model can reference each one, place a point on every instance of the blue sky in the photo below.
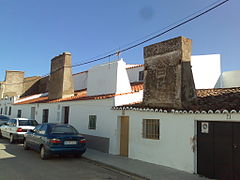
(35, 31)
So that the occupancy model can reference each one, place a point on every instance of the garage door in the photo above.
(218, 150)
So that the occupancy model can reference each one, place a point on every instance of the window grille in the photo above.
(151, 128)
(92, 122)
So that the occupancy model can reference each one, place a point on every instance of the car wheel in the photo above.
(12, 140)
(43, 153)
(25, 146)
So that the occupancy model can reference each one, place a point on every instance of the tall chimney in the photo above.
(13, 85)
(61, 82)
(168, 80)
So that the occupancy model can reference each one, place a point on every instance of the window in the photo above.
(37, 128)
(1, 110)
(12, 122)
(6, 108)
(43, 129)
(27, 123)
(33, 109)
(19, 113)
(10, 111)
(92, 122)
(141, 75)
(151, 128)
(45, 116)
(59, 129)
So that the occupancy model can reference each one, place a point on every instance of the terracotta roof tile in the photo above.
(140, 65)
(36, 100)
(137, 86)
(208, 99)
(82, 95)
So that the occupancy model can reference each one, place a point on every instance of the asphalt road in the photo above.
(19, 164)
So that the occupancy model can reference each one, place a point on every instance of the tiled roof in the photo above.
(208, 100)
(82, 95)
(139, 65)
(35, 100)
(137, 86)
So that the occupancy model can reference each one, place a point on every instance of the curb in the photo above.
(116, 169)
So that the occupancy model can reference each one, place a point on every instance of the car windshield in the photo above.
(4, 118)
(64, 130)
(28, 123)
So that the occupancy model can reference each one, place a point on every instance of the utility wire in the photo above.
(185, 20)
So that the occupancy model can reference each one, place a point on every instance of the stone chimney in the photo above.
(13, 85)
(61, 82)
(168, 80)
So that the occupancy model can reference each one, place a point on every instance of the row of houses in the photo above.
(175, 110)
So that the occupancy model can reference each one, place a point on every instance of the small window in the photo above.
(1, 110)
(141, 75)
(151, 129)
(10, 111)
(19, 113)
(92, 122)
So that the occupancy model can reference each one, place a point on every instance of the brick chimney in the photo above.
(168, 80)
(61, 82)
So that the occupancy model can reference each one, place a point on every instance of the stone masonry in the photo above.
(168, 80)
(61, 82)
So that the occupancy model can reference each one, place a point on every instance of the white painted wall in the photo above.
(206, 70)
(80, 80)
(229, 79)
(79, 117)
(133, 73)
(108, 78)
(128, 98)
(175, 147)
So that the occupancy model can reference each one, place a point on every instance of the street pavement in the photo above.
(19, 164)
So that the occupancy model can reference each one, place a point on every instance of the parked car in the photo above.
(3, 119)
(15, 128)
(50, 139)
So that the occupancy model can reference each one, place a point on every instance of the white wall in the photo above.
(229, 79)
(108, 78)
(133, 73)
(106, 124)
(206, 70)
(79, 117)
(80, 80)
(128, 98)
(175, 147)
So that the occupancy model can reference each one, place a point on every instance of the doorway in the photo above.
(124, 135)
(218, 149)
(65, 114)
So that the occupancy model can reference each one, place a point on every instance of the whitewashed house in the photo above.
(150, 112)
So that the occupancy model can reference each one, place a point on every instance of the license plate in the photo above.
(70, 142)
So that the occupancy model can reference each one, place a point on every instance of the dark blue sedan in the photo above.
(49, 139)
